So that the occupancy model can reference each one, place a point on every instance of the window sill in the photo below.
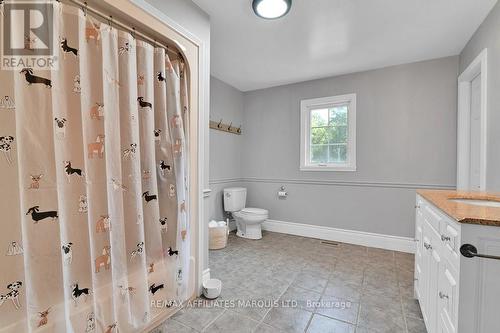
(348, 168)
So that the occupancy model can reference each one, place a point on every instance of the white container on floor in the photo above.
(212, 288)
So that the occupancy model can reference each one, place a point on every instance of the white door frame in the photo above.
(477, 66)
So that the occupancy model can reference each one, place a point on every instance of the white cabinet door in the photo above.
(448, 297)
(425, 274)
(443, 325)
(433, 261)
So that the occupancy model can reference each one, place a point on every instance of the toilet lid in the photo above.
(255, 211)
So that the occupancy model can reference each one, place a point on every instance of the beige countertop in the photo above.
(462, 212)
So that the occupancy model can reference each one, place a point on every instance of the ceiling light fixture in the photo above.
(271, 9)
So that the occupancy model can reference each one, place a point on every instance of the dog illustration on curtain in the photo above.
(129, 153)
(175, 121)
(90, 327)
(7, 102)
(143, 103)
(60, 127)
(6, 147)
(37, 215)
(92, 31)
(67, 49)
(77, 293)
(163, 224)
(35, 181)
(70, 171)
(13, 294)
(97, 111)
(164, 167)
(14, 249)
(77, 88)
(138, 251)
(43, 318)
(103, 224)
(140, 79)
(67, 253)
(111, 328)
(31, 78)
(177, 147)
(104, 259)
(124, 291)
(118, 185)
(157, 135)
(96, 148)
(83, 205)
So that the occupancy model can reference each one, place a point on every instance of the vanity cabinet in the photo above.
(456, 294)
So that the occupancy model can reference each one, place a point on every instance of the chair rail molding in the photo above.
(349, 183)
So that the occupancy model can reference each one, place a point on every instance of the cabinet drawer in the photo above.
(431, 215)
(450, 236)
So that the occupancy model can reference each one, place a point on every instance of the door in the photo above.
(472, 121)
(475, 134)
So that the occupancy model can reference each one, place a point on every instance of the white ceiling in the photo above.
(321, 38)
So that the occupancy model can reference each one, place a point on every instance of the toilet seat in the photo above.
(254, 211)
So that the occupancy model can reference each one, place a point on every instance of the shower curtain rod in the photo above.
(86, 8)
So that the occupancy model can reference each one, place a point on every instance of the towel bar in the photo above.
(470, 251)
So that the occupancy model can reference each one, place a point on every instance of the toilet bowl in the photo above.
(248, 220)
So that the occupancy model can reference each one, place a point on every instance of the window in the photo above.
(328, 134)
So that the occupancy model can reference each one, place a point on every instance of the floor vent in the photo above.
(329, 243)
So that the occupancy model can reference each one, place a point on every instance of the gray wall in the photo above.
(406, 139)
(488, 36)
(226, 103)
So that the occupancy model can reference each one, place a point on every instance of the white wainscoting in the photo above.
(388, 242)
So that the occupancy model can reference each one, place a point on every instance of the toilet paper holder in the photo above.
(282, 193)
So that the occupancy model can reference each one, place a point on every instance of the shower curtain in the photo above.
(94, 184)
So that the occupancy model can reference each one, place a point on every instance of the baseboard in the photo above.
(205, 276)
(388, 242)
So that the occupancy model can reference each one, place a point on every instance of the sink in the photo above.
(478, 202)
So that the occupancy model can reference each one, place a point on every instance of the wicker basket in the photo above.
(218, 237)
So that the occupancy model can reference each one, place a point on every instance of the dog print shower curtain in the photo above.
(94, 184)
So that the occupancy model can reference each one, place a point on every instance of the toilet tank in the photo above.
(234, 199)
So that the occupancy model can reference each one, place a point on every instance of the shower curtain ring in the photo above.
(229, 127)
(133, 33)
(84, 8)
(110, 22)
(219, 124)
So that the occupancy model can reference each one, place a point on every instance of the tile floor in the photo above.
(324, 289)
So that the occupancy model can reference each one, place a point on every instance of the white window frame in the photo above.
(305, 132)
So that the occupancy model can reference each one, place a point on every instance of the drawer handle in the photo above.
(427, 246)
(443, 296)
(417, 206)
(445, 238)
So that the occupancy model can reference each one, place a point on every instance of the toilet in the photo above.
(248, 220)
